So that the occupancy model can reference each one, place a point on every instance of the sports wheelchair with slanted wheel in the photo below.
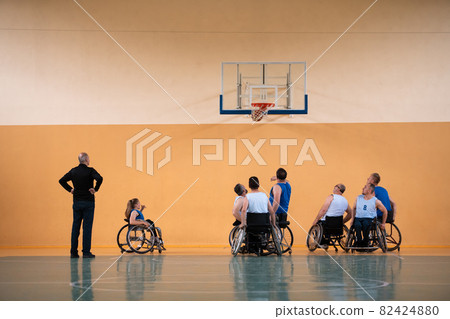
(258, 237)
(331, 231)
(122, 238)
(287, 238)
(393, 234)
(393, 237)
(286, 235)
(376, 239)
(139, 239)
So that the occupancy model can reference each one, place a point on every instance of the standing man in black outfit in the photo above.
(83, 191)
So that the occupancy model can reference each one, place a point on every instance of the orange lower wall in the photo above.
(412, 159)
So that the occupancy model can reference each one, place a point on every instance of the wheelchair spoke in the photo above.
(140, 240)
(233, 234)
(287, 240)
(237, 242)
(122, 239)
(314, 237)
(393, 237)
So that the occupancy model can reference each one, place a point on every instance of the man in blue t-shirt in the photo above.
(280, 195)
(382, 194)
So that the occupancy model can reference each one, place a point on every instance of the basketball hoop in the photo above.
(259, 110)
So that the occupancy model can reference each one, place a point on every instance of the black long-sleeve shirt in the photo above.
(82, 178)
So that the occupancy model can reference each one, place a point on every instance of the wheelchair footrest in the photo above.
(372, 248)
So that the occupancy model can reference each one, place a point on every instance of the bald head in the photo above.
(339, 189)
(83, 158)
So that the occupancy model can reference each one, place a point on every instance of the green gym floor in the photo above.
(213, 274)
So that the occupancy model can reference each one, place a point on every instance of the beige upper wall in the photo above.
(58, 67)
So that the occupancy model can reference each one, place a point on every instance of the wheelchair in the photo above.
(286, 236)
(330, 232)
(376, 239)
(122, 238)
(139, 239)
(393, 237)
(393, 234)
(259, 237)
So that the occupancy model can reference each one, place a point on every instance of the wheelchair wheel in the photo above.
(381, 239)
(141, 240)
(314, 237)
(233, 233)
(270, 243)
(393, 237)
(343, 240)
(122, 240)
(237, 241)
(287, 240)
(351, 240)
(276, 235)
(273, 243)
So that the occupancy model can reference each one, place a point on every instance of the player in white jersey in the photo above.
(239, 201)
(257, 202)
(335, 205)
(364, 211)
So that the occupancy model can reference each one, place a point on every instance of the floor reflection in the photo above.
(142, 273)
(354, 277)
(176, 278)
(81, 284)
(264, 278)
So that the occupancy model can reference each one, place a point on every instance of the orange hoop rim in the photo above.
(263, 105)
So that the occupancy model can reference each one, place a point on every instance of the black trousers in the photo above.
(83, 212)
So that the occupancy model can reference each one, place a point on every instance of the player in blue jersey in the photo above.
(382, 194)
(134, 213)
(135, 217)
(280, 195)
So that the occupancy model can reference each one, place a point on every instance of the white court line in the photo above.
(392, 254)
(318, 244)
(326, 50)
(99, 277)
(176, 200)
(136, 62)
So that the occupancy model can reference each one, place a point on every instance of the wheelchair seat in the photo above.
(259, 237)
(333, 226)
(375, 239)
(389, 218)
(330, 231)
(282, 220)
(258, 222)
(284, 224)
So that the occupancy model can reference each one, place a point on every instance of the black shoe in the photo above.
(74, 256)
(88, 255)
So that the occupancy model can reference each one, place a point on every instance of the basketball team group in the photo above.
(374, 202)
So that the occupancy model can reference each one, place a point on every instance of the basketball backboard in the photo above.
(281, 83)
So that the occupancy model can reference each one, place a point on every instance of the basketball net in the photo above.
(259, 110)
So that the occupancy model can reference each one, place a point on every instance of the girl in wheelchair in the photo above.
(134, 215)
